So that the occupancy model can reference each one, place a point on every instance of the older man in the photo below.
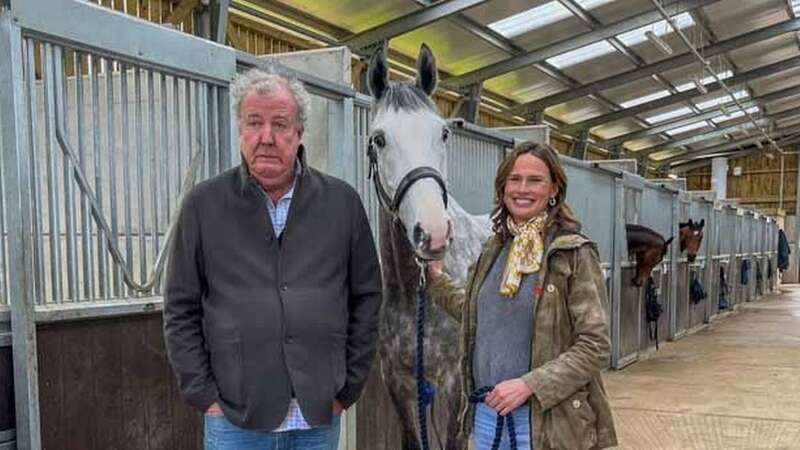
(273, 286)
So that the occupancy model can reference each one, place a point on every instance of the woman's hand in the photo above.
(435, 269)
(508, 396)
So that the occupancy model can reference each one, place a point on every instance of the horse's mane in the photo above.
(405, 96)
(645, 230)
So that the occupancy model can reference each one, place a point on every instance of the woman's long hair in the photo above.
(561, 215)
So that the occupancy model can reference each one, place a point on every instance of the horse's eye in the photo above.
(445, 134)
(379, 141)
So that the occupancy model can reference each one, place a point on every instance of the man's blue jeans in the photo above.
(486, 422)
(220, 434)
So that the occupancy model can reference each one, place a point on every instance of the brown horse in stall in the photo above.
(648, 247)
(691, 235)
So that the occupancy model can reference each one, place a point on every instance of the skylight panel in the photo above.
(531, 19)
(668, 115)
(539, 17)
(685, 128)
(644, 99)
(796, 7)
(708, 104)
(582, 54)
(707, 80)
(736, 114)
(660, 28)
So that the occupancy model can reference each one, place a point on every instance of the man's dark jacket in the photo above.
(249, 318)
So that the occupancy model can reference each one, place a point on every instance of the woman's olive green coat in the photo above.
(569, 408)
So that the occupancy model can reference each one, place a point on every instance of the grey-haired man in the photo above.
(273, 286)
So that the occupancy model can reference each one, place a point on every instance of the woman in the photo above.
(533, 323)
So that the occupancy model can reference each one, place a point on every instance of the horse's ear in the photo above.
(378, 73)
(702, 223)
(690, 222)
(427, 77)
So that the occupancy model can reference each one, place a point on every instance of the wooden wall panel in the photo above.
(106, 383)
(759, 184)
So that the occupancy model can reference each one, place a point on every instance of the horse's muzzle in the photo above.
(424, 247)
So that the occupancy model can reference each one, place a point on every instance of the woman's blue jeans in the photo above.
(220, 434)
(486, 422)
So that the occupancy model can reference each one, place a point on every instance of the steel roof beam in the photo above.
(743, 77)
(747, 140)
(710, 114)
(408, 22)
(663, 66)
(569, 44)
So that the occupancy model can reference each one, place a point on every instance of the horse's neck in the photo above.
(470, 232)
(400, 271)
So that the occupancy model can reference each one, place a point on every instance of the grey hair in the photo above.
(265, 82)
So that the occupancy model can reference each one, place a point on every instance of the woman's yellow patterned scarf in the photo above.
(525, 254)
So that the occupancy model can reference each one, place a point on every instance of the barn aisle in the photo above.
(734, 385)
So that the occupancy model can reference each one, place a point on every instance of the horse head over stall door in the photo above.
(419, 222)
(691, 234)
(648, 247)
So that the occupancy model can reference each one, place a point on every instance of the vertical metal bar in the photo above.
(163, 165)
(202, 106)
(177, 126)
(140, 208)
(36, 199)
(86, 230)
(97, 156)
(226, 129)
(54, 221)
(674, 254)
(15, 151)
(154, 182)
(616, 289)
(190, 129)
(112, 171)
(213, 132)
(62, 102)
(126, 170)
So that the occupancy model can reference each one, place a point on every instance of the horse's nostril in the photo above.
(421, 238)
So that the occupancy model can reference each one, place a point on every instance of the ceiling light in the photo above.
(658, 42)
(759, 144)
(769, 155)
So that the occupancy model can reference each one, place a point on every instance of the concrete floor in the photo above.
(733, 385)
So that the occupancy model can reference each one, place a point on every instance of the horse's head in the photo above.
(648, 258)
(407, 153)
(691, 236)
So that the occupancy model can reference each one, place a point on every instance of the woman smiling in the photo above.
(534, 335)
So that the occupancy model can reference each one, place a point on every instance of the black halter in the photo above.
(392, 204)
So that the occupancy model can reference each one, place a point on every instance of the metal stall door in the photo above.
(727, 255)
(472, 161)
(592, 195)
(759, 267)
(682, 273)
(700, 269)
(659, 213)
(712, 239)
(627, 311)
(736, 258)
(116, 136)
(746, 263)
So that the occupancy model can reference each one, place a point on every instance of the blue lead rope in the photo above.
(425, 390)
(479, 396)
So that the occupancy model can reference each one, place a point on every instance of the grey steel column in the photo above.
(16, 154)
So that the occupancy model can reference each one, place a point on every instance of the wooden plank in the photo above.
(107, 384)
(50, 352)
(76, 376)
(156, 392)
(182, 11)
(134, 421)
(7, 418)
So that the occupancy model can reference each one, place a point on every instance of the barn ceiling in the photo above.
(589, 64)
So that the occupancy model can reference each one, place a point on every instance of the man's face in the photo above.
(270, 135)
